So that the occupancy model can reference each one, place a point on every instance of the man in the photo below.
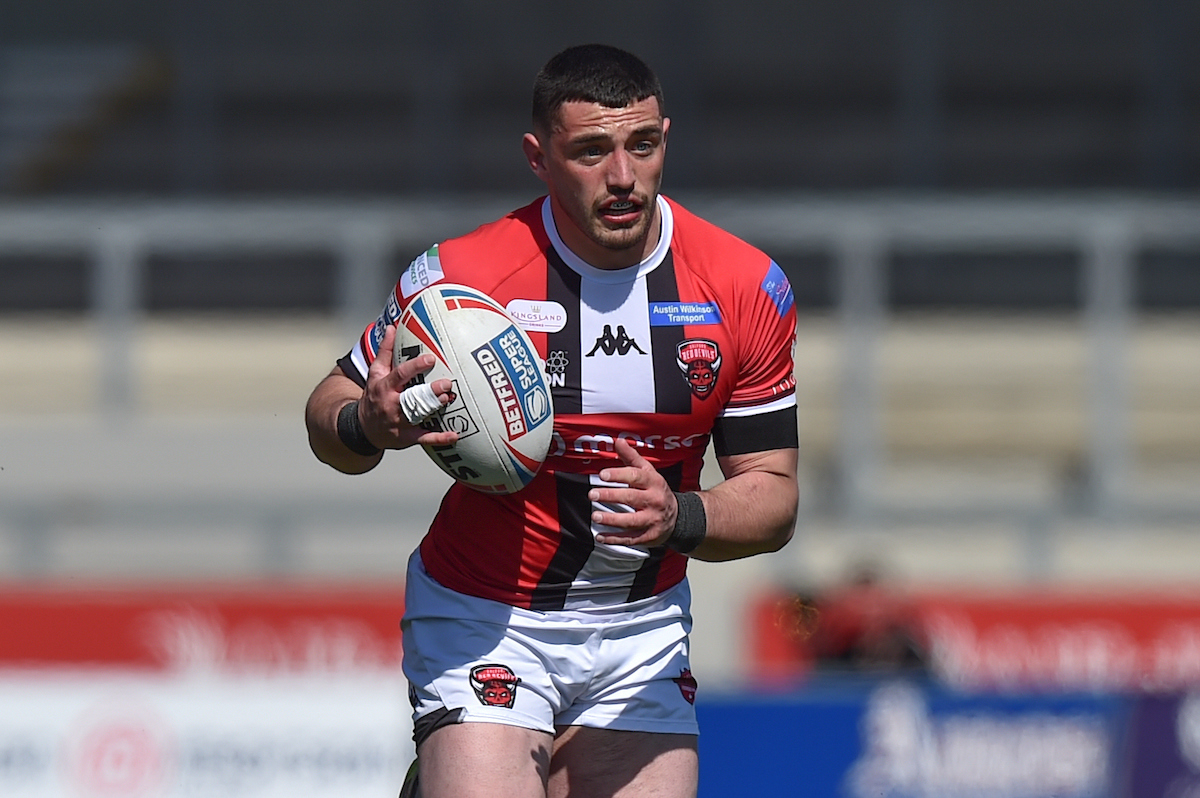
(546, 632)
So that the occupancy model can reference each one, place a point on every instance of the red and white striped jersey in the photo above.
(695, 343)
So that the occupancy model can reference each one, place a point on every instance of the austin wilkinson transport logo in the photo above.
(700, 361)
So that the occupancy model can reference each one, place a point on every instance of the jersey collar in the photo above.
(590, 272)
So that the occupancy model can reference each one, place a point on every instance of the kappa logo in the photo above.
(700, 361)
(495, 685)
(618, 344)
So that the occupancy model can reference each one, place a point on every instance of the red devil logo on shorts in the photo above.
(699, 359)
(494, 685)
(687, 685)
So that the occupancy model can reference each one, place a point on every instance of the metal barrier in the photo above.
(859, 233)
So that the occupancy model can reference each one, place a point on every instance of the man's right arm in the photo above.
(380, 419)
(325, 404)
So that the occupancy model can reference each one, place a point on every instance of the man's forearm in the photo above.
(748, 514)
(321, 419)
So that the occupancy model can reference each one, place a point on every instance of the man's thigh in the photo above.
(484, 760)
(604, 763)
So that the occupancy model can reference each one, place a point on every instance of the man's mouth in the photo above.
(621, 210)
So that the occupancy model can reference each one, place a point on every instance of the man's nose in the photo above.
(620, 170)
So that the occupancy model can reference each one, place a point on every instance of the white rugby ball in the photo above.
(501, 408)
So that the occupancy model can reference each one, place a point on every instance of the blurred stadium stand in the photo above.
(374, 97)
(988, 211)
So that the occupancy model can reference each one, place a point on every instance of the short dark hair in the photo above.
(594, 73)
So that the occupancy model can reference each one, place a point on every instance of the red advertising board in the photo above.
(264, 626)
(1047, 639)
(221, 691)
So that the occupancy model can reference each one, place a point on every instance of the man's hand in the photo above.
(379, 414)
(379, 411)
(645, 492)
(751, 512)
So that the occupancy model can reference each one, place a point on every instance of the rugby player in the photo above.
(546, 632)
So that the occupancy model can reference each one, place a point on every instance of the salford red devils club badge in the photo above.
(495, 685)
(700, 360)
(687, 685)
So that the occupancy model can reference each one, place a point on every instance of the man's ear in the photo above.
(534, 155)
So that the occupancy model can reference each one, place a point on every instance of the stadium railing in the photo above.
(859, 234)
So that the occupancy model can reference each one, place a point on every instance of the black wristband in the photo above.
(350, 431)
(691, 523)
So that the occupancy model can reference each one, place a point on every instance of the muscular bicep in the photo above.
(754, 509)
(782, 463)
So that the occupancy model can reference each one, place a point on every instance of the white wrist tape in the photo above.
(419, 403)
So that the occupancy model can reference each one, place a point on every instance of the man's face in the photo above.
(603, 167)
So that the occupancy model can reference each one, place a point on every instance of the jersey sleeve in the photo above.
(425, 270)
(761, 413)
(767, 334)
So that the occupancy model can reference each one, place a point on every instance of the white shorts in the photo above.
(469, 659)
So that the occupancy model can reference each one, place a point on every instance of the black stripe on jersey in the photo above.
(575, 522)
(647, 575)
(760, 433)
(347, 367)
(671, 391)
(562, 286)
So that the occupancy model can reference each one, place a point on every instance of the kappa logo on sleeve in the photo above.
(495, 685)
(777, 287)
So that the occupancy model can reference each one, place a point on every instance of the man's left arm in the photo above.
(753, 511)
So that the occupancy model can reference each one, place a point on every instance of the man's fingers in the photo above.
(383, 357)
(382, 371)
(437, 438)
(443, 387)
(628, 454)
(418, 403)
(642, 490)
(621, 476)
(637, 471)
(407, 369)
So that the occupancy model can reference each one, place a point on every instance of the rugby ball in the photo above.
(501, 408)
